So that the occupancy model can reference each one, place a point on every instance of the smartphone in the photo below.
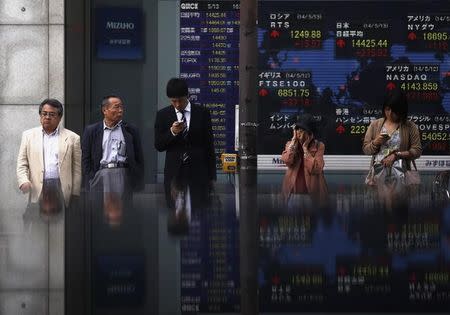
(182, 123)
(385, 134)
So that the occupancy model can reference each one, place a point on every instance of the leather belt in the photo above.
(114, 165)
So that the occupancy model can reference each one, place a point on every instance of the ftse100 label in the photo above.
(285, 89)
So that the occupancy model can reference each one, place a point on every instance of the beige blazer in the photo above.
(30, 162)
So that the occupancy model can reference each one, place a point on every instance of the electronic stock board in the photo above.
(333, 59)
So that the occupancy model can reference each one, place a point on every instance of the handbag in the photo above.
(379, 174)
(370, 180)
(412, 177)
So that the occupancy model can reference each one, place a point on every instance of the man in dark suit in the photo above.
(112, 150)
(184, 131)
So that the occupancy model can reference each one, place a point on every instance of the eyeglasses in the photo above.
(116, 107)
(49, 114)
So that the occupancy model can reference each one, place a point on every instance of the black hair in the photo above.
(105, 99)
(396, 100)
(177, 88)
(53, 103)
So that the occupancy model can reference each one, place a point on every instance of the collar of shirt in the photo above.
(54, 133)
(106, 127)
(186, 109)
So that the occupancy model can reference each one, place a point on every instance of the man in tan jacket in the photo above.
(49, 156)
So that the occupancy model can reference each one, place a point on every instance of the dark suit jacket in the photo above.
(199, 144)
(92, 152)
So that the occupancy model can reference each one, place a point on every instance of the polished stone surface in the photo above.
(23, 64)
(56, 252)
(31, 262)
(24, 11)
(24, 265)
(14, 120)
(56, 11)
(56, 62)
(24, 302)
(31, 243)
(35, 302)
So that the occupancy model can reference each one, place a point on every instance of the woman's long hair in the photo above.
(396, 100)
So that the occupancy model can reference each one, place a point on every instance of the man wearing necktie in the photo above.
(183, 130)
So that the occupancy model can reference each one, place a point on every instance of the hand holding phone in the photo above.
(381, 138)
(177, 127)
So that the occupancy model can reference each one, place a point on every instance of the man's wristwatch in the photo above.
(398, 156)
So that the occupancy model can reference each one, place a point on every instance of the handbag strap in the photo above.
(414, 164)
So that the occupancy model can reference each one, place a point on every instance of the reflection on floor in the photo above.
(31, 262)
(355, 254)
(358, 253)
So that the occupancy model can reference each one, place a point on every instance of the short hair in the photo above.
(53, 102)
(105, 99)
(176, 88)
(397, 101)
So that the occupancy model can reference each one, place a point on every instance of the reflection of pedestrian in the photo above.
(50, 202)
(393, 141)
(183, 130)
(303, 156)
(49, 158)
(112, 144)
(111, 189)
(180, 215)
(181, 196)
(113, 207)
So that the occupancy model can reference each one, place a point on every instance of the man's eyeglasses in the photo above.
(116, 107)
(49, 114)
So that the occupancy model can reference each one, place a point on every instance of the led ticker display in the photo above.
(352, 60)
(427, 285)
(209, 59)
(210, 263)
(326, 59)
(351, 256)
(357, 39)
(355, 257)
(293, 30)
(428, 32)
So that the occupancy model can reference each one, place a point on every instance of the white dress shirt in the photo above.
(187, 114)
(51, 149)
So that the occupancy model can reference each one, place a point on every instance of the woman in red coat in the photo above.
(303, 156)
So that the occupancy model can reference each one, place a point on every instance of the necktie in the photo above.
(185, 155)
